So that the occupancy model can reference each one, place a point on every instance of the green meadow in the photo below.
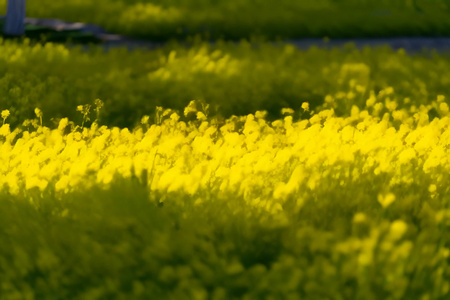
(233, 170)
(165, 20)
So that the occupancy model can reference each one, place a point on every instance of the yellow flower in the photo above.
(201, 116)
(305, 106)
(99, 103)
(371, 101)
(386, 200)
(38, 112)
(443, 107)
(359, 218)
(432, 188)
(62, 183)
(389, 90)
(397, 230)
(191, 108)
(261, 114)
(4, 130)
(5, 114)
(440, 98)
(63, 124)
(145, 119)
(290, 111)
(174, 117)
(32, 182)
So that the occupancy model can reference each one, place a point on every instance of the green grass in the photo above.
(163, 20)
(119, 244)
(233, 79)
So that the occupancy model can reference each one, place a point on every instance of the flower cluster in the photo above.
(266, 163)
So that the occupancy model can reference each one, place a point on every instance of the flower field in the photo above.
(235, 208)
(292, 175)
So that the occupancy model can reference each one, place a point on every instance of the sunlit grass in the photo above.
(164, 20)
(233, 78)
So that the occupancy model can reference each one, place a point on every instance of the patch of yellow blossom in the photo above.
(386, 200)
(265, 163)
(305, 106)
(5, 114)
(397, 230)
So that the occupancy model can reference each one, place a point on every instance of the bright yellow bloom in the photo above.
(38, 112)
(397, 230)
(191, 108)
(265, 164)
(145, 119)
(5, 114)
(432, 188)
(290, 111)
(305, 106)
(386, 200)
(4, 130)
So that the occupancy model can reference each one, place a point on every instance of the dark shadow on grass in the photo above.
(42, 34)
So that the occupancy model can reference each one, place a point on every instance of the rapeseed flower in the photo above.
(5, 114)
(305, 106)
(246, 156)
(386, 200)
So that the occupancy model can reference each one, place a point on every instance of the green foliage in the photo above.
(344, 242)
(233, 78)
(120, 244)
(234, 19)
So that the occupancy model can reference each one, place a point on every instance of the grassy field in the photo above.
(234, 79)
(334, 173)
(246, 170)
(162, 20)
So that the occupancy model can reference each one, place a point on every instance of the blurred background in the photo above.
(237, 19)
